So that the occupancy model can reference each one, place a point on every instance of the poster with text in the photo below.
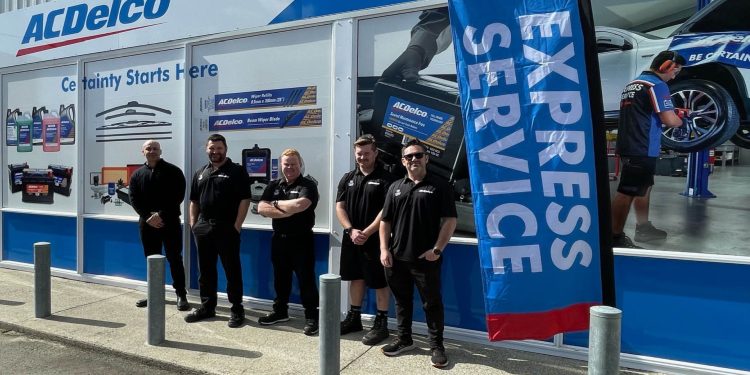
(39, 139)
(272, 92)
(128, 101)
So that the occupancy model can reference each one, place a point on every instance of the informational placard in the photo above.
(278, 101)
(131, 100)
(39, 115)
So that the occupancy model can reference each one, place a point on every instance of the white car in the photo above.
(715, 90)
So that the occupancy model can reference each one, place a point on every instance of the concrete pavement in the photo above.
(104, 318)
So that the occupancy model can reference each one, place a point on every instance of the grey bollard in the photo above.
(155, 297)
(42, 280)
(330, 323)
(604, 340)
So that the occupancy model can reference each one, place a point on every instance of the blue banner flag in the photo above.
(529, 136)
(731, 48)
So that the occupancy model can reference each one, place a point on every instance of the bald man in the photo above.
(157, 189)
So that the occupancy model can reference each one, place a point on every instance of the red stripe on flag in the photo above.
(538, 325)
(45, 47)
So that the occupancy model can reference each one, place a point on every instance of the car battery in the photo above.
(37, 186)
(429, 110)
(15, 176)
(63, 177)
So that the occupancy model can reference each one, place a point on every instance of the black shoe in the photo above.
(397, 347)
(182, 303)
(236, 319)
(273, 317)
(378, 332)
(311, 327)
(624, 241)
(141, 303)
(352, 322)
(438, 358)
(646, 232)
(199, 314)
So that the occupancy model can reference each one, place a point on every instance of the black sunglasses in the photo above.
(416, 155)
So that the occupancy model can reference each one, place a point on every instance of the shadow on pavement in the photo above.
(11, 303)
(211, 349)
(83, 321)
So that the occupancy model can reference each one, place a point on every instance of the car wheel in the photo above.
(713, 120)
(742, 137)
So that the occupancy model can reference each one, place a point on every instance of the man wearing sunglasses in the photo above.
(418, 220)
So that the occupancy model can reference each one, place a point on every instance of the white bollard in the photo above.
(604, 340)
(330, 324)
(42, 280)
(156, 315)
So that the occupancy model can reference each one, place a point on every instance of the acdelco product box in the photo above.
(429, 110)
(37, 186)
(63, 177)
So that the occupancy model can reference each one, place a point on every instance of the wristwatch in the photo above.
(275, 204)
(347, 231)
(436, 251)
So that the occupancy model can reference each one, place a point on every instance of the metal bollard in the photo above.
(604, 340)
(155, 297)
(330, 323)
(42, 280)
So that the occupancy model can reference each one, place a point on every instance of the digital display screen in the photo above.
(256, 166)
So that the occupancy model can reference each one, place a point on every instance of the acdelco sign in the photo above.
(67, 22)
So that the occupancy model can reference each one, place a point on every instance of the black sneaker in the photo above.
(646, 233)
(236, 319)
(182, 303)
(311, 327)
(199, 314)
(273, 317)
(378, 332)
(141, 303)
(352, 322)
(397, 347)
(624, 241)
(438, 358)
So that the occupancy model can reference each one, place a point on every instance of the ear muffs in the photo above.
(668, 65)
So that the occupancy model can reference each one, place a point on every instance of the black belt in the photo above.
(214, 221)
(291, 235)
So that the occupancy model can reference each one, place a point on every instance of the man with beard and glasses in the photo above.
(418, 220)
(156, 193)
(219, 200)
(290, 202)
(359, 200)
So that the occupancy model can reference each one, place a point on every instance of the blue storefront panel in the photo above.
(21, 231)
(682, 310)
(113, 248)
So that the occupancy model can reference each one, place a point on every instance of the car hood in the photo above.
(718, 16)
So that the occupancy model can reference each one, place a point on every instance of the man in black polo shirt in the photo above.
(418, 220)
(219, 199)
(359, 200)
(156, 193)
(290, 202)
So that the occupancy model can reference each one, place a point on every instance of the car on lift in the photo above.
(714, 89)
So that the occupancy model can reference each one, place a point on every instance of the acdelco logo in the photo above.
(228, 122)
(77, 18)
(230, 101)
(407, 108)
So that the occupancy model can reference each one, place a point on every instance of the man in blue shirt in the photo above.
(645, 107)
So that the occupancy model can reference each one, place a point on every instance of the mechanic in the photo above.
(157, 190)
(359, 200)
(219, 200)
(418, 220)
(290, 202)
(645, 106)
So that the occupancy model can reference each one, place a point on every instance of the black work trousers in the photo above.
(221, 241)
(402, 278)
(294, 254)
(170, 237)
